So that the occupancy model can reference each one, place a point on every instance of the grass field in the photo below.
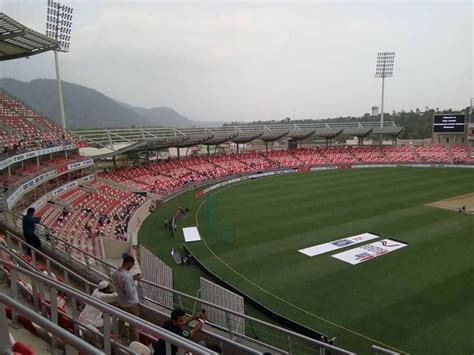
(417, 299)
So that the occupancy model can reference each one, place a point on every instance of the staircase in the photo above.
(417, 157)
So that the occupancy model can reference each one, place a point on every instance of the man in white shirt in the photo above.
(91, 316)
(126, 286)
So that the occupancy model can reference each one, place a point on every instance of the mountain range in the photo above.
(88, 108)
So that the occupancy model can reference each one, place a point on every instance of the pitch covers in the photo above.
(369, 251)
(337, 244)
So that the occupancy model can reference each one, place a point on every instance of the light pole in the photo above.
(384, 69)
(471, 108)
(58, 27)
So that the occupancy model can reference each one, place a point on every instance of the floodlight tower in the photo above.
(384, 69)
(58, 27)
(471, 108)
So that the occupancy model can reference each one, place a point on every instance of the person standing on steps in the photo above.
(126, 286)
(29, 222)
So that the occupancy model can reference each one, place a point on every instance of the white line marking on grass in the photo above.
(273, 295)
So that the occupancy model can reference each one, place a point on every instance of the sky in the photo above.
(260, 60)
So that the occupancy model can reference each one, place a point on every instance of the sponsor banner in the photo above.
(29, 185)
(320, 168)
(370, 251)
(374, 166)
(89, 177)
(304, 169)
(464, 166)
(417, 165)
(243, 178)
(437, 166)
(64, 188)
(337, 244)
(80, 164)
(36, 153)
(223, 183)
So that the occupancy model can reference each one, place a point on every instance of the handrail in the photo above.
(219, 337)
(247, 317)
(27, 265)
(20, 151)
(76, 342)
(47, 169)
(87, 284)
(272, 327)
(108, 310)
(48, 237)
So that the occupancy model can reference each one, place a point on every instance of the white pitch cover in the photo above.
(369, 251)
(338, 244)
(191, 234)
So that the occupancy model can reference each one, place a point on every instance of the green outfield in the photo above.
(417, 299)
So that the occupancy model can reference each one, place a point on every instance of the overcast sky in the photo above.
(244, 61)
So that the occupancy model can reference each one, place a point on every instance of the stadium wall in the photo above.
(136, 221)
(113, 248)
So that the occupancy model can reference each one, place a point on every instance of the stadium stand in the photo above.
(309, 156)
(283, 159)
(166, 176)
(86, 213)
(44, 292)
(22, 129)
(228, 163)
(433, 153)
(399, 154)
(369, 154)
(460, 154)
(338, 155)
(256, 161)
(78, 219)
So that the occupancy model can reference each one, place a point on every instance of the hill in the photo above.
(89, 108)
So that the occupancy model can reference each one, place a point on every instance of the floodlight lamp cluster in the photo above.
(59, 23)
(385, 62)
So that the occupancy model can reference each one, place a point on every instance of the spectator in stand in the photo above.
(177, 324)
(29, 222)
(91, 316)
(126, 286)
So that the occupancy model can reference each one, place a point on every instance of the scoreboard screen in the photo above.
(449, 123)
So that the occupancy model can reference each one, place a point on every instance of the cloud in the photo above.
(261, 60)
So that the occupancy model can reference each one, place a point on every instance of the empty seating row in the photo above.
(167, 176)
(83, 214)
(23, 129)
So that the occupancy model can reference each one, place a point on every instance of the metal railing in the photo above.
(111, 315)
(259, 333)
(59, 247)
(262, 334)
(87, 285)
(57, 331)
(288, 341)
